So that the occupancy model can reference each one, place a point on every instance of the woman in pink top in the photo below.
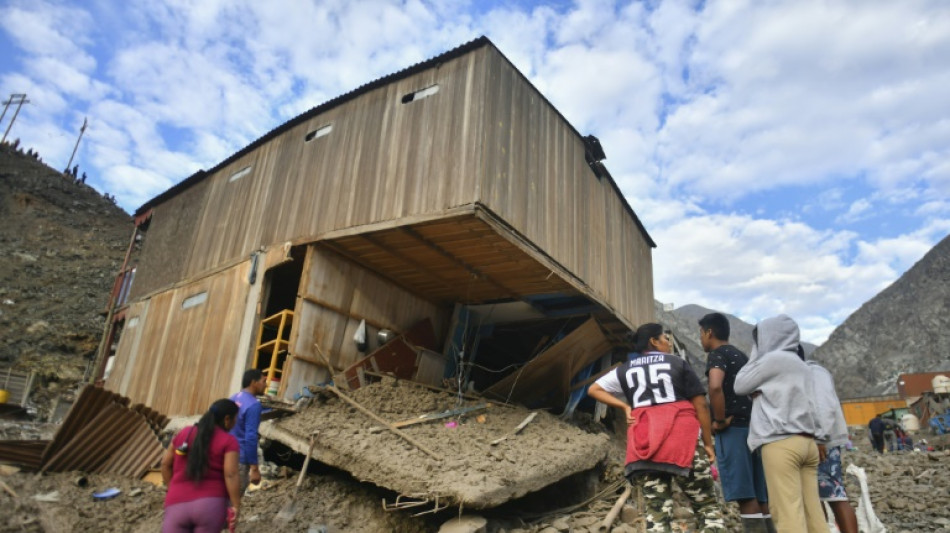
(200, 469)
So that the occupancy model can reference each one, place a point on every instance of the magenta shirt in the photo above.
(180, 488)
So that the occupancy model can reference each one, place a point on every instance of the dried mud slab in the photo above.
(471, 472)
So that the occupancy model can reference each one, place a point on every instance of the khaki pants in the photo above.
(791, 474)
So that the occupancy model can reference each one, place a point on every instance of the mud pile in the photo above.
(463, 466)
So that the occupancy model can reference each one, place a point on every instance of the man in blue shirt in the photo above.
(248, 420)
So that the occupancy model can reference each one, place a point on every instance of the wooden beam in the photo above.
(408, 260)
(327, 305)
(448, 255)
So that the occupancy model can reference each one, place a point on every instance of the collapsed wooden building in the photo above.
(448, 206)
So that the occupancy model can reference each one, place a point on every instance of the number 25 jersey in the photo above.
(653, 378)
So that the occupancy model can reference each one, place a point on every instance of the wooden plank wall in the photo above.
(537, 180)
(348, 292)
(185, 357)
(382, 160)
(167, 245)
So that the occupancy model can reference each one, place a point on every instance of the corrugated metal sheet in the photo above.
(26, 453)
(101, 433)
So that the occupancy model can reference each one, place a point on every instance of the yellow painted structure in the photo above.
(860, 411)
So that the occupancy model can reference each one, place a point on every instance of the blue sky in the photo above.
(787, 156)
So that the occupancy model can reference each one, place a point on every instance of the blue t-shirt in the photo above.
(248, 421)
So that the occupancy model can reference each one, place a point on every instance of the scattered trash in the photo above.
(317, 529)
(452, 424)
(481, 419)
(49, 497)
(107, 494)
(135, 492)
(81, 481)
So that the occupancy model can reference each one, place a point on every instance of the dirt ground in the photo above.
(910, 492)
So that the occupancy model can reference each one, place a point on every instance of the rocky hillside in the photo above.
(905, 328)
(61, 244)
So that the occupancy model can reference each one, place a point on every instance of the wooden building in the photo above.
(451, 192)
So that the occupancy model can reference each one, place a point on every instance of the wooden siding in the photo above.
(183, 358)
(487, 136)
(167, 244)
(335, 294)
(382, 160)
(537, 180)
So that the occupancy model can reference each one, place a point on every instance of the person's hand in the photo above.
(254, 474)
(822, 453)
(631, 420)
(718, 426)
(232, 519)
(710, 452)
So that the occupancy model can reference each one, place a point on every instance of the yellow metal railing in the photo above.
(273, 344)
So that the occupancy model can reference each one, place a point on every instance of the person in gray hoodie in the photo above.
(831, 420)
(784, 425)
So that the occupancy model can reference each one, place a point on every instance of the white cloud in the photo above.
(756, 268)
(856, 211)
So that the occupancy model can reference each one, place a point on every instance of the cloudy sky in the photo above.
(787, 156)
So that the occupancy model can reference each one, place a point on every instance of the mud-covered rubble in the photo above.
(910, 492)
(466, 468)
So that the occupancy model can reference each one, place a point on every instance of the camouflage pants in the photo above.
(657, 490)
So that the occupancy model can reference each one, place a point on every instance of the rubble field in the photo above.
(909, 492)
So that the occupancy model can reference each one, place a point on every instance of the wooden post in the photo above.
(615, 510)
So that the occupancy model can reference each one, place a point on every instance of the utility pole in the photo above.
(81, 131)
(13, 97)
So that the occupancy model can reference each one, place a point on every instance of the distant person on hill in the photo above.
(740, 470)
(200, 469)
(784, 425)
(83, 179)
(253, 384)
(831, 419)
(665, 406)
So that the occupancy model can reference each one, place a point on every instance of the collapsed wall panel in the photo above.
(336, 294)
(548, 376)
(470, 472)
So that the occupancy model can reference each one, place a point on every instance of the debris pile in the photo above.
(446, 461)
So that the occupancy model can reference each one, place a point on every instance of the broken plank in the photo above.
(439, 415)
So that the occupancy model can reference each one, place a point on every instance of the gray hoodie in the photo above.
(786, 403)
(830, 417)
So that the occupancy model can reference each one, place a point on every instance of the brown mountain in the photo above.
(61, 244)
(905, 328)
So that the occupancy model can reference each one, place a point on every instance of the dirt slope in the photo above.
(61, 244)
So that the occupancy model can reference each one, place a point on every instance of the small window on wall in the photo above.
(319, 132)
(420, 94)
(195, 300)
(240, 174)
(134, 321)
